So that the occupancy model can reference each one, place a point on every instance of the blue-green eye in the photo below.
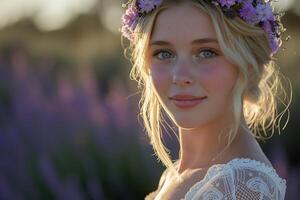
(166, 54)
(206, 54)
(162, 55)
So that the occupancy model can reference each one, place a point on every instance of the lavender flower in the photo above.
(127, 33)
(227, 3)
(274, 44)
(129, 21)
(264, 12)
(244, 1)
(273, 41)
(129, 18)
(248, 13)
(148, 5)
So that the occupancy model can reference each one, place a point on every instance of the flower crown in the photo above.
(254, 12)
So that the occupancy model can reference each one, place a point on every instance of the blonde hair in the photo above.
(256, 91)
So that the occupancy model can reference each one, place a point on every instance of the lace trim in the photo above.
(238, 162)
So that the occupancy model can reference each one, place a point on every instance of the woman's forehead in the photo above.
(182, 22)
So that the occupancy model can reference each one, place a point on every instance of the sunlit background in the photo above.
(68, 110)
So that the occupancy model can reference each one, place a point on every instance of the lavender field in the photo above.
(61, 138)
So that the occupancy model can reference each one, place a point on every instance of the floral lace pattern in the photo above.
(240, 178)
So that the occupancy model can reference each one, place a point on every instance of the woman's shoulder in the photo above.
(239, 177)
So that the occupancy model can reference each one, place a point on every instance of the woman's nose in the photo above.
(182, 73)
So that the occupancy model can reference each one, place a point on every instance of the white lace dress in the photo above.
(239, 179)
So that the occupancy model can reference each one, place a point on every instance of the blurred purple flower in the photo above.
(244, 1)
(72, 189)
(248, 13)
(129, 21)
(148, 5)
(50, 176)
(273, 41)
(264, 12)
(227, 3)
(95, 189)
(117, 102)
(6, 192)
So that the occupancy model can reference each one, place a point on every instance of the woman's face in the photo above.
(191, 77)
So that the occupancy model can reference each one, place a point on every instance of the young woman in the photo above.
(208, 65)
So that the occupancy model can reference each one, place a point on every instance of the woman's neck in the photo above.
(201, 148)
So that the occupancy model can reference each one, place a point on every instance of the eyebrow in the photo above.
(198, 41)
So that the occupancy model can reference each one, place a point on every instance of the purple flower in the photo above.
(148, 5)
(273, 41)
(264, 12)
(266, 25)
(126, 32)
(129, 21)
(130, 16)
(244, 1)
(274, 44)
(227, 3)
(248, 13)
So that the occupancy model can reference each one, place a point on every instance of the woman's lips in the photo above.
(187, 102)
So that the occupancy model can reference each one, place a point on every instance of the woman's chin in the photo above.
(187, 124)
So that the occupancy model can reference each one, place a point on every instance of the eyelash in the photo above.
(156, 53)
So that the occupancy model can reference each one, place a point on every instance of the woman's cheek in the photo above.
(220, 79)
(160, 78)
